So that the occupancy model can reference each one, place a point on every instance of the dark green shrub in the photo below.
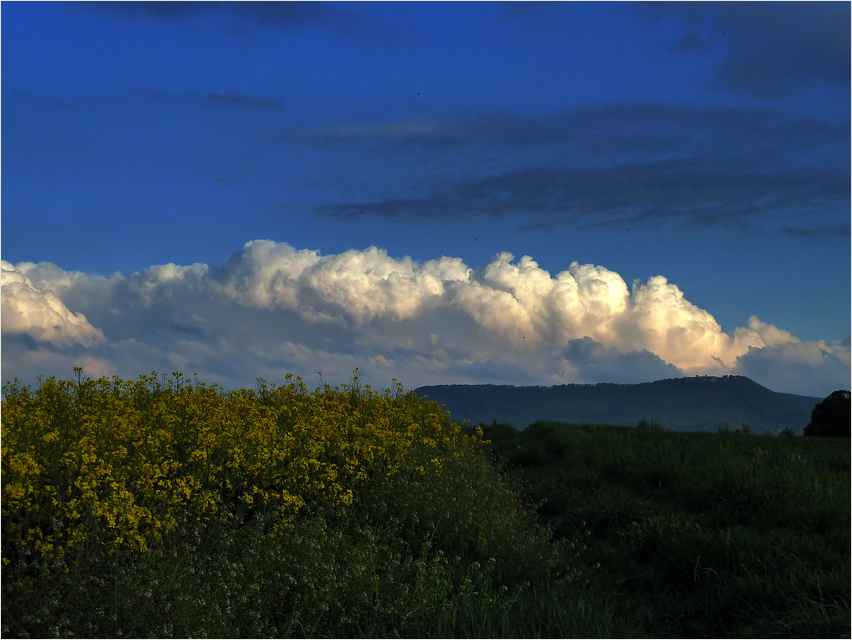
(497, 432)
(831, 418)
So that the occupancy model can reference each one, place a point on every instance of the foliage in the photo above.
(744, 430)
(121, 461)
(832, 418)
(498, 431)
(697, 534)
(151, 509)
(552, 531)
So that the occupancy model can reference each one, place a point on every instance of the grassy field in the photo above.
(154, 510)
(698, 535)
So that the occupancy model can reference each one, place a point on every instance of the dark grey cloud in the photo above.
(824, 231)
(188, 330)
(768, 50)
(764, 49)
(805, 369)
(403, 133)
(279, 13)
(233, 99)
(38, 99)
(23, 342)
(597, 363)
(226, 99)
(289, 14)
(650, 192)
(619, 164)
(514, 9)
(612, 133)
(157, 10)
(275, 15)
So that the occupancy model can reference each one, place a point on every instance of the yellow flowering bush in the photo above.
(120, 464)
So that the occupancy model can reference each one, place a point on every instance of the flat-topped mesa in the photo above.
(703, 403)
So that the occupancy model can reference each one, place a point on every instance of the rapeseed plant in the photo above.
(121, 464)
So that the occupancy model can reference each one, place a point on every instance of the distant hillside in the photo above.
(679, 404)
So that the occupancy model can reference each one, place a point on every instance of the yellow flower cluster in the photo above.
(124, 463)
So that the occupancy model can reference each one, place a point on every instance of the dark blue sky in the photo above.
(706, 143)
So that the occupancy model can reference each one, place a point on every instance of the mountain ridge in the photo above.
(700, 403)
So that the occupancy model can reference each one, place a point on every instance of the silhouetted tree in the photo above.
(832, 417)
(498, 431)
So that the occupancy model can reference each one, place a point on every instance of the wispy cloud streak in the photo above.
(616, 164)
(233, 99)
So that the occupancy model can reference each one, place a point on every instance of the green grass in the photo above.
(698, 534)
(567, 531)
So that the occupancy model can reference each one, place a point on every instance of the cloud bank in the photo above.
(271, 309)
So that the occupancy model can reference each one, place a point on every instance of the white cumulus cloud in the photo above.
(38, 311)
(271, 309)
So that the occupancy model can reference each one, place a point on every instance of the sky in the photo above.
(437, 193)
